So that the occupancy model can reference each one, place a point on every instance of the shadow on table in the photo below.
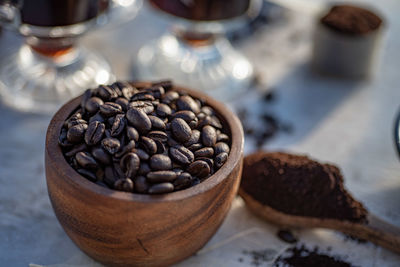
(306, 100)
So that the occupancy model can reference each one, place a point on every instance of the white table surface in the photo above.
(347, 123)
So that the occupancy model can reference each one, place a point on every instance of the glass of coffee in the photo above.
(50, 68)
(195, 50)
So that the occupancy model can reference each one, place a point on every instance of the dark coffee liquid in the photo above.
(203, 9)
(50, 13)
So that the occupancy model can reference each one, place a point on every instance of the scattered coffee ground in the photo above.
(259, 257)
(351, 20)
(270, 124)
(286, 236)
(353, 239)
(302, 257)
(148, 140)
(297, 185)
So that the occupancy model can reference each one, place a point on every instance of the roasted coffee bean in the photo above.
(111, 145)
(181, 155)
(210, 120)
(160, 162)
(206, 152)
(124, 185)
(195, 147)
(148, 145)
(76, 149)
(141, 185)
(185, 115)
(199, 169)
(129, 147)
(62, 139)
(76, 116)
(109, 109)
(126, 89)
(222, 137)
(160, 147)
(158, 135)
(123, 102)
(161, 188)
(187, 103)
(156, 91)
(139, 119)
(208, 136)
(209, 161)
(93, 104)
(118, 125)
(163, 110)
(180, 130)
(169, 97)
(221, 147)
(144, 168)
(143, 96)
(85, 97)
(207, 110)
(101, 156)
(74, 122)
(96, 117)
(194, 138)
(220, 159)
(88, 174)
(166, 84)
(157, 123)
(132, 134)
(94, 133)
(86, 160)
(161, 176)
(145, 106)
(130, 164)
(75, 133)
(106, 92)
(184, 180)
(142, 154)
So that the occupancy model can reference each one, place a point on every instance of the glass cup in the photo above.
(194, 51)
(50, 67)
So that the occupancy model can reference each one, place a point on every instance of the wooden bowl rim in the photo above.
(56, 157)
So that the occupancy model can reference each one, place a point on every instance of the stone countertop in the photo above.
(347, 123)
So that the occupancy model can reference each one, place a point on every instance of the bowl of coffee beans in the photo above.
(142, 173)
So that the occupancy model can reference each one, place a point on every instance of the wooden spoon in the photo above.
(376, 230)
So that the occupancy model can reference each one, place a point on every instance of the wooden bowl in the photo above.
(126, 229)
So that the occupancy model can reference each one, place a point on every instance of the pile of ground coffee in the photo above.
(302, 257)
(351, 20)
(300, 186)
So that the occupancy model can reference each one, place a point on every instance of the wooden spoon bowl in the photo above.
(126, 229)
(375, 230)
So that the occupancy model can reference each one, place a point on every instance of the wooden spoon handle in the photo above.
(380, 232)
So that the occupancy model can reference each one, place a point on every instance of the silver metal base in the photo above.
(35, 83)
(217, 69)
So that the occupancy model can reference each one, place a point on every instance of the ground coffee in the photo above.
(351, 20)
(302, 257)
(297, 185)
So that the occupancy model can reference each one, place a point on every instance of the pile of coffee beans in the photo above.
(152, 139)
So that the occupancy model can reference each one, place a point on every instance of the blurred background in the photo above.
(257, 60)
